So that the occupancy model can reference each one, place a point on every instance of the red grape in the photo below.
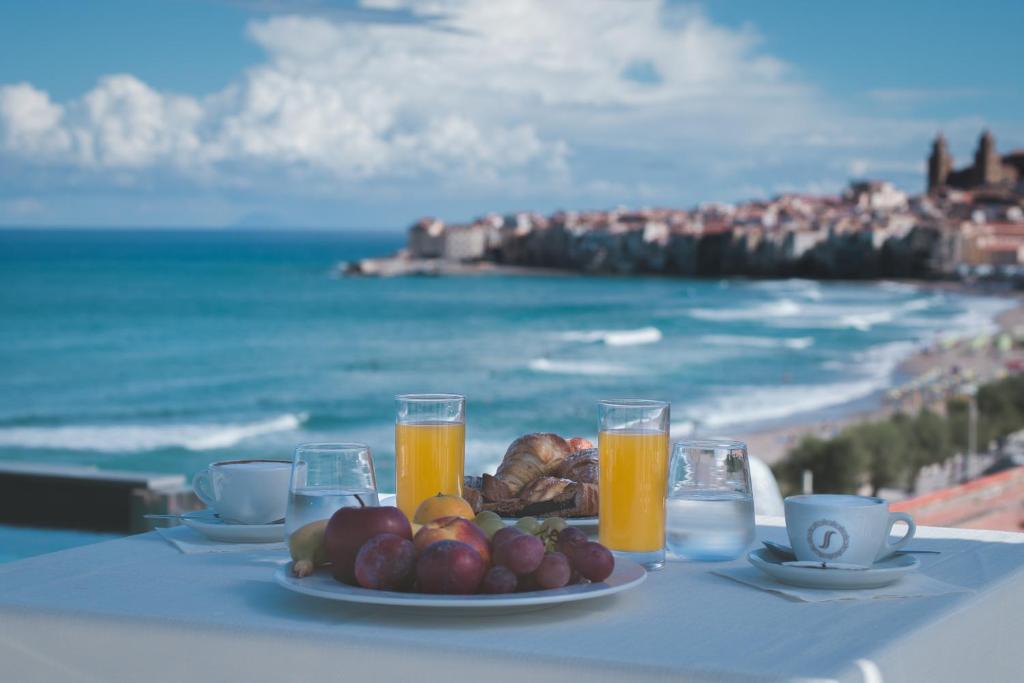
(502, 535)
(569, 539)
(499, 580)
(386, 562)
(593, 561)
(522, 554)
(450, 567)
(554, 571)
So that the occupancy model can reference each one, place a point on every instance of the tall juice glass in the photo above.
(430, 446)
(633, 482)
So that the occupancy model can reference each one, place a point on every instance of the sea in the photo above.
(164, 350)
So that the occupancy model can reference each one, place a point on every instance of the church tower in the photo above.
(987, 164)
(940, 163)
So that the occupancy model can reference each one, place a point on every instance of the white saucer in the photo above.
(626, 575)
(882, 573)
(214, 528)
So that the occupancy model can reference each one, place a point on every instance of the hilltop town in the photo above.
(969, 221)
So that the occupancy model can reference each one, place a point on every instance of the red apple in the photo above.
(450, 567)
(453, 529)
(350, 527)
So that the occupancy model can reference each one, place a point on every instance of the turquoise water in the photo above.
(166, 350)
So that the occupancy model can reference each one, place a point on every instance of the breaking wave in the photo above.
(577, 367)
(795, 343)
(783, 308)
(127, 438)
(643, 335)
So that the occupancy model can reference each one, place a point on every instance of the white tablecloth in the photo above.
(138, 610)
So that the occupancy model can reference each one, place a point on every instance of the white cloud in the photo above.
(32, 124)
(512, 95)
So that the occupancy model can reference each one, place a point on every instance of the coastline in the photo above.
(924, 378)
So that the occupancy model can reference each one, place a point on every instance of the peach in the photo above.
(441, 505)
(453, 529)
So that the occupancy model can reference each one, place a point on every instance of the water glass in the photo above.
(633, 457)
(430, 447)
(327, 477)
(710, 505)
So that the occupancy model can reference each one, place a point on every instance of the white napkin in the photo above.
(912, 585)
(193, 543)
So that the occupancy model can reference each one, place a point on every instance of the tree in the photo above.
(929, 443)
(886, 445)
(838, 465)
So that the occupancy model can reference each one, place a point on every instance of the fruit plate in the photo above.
(321, 584)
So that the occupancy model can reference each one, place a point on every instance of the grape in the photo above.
(502, 535)
(486, 516)
(491, 526)
(499, 580)
(522, 554)
(593, 561)
(554, 571)
(555, 524)
(569, 539)
(529, 524)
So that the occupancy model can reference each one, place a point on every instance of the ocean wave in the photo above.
(745, 405)
(861, 318)
(783, 308)
(795, 343)
(126, 437)
(574, 367)
(865, 321)
(642, 335)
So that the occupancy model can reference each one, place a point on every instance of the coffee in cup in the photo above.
(245, 491)
(843, 528)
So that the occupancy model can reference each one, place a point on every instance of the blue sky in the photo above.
(331, 114)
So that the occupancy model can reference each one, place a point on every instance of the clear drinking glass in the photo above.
(326, 477)
(430, 447)
(710, 505)
(633, 457)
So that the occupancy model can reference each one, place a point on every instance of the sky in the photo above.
(318, 114)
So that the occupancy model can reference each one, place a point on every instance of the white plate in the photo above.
(321, 584)
(587, 523)
(881, 574)
(213, 527)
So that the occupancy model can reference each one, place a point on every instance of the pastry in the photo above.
(529, 457)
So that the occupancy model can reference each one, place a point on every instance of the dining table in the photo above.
(138, 609)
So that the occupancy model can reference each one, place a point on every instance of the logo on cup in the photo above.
(828, 539)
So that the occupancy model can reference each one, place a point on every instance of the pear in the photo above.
(306, 545)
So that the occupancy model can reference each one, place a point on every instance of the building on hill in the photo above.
(988, 170)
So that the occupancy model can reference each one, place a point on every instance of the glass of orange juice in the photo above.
(633, 481)
(430, 446)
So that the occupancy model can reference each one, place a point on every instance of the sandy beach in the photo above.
(925, 378)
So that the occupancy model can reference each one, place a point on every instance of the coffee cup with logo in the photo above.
(245, 491)
(843, 528)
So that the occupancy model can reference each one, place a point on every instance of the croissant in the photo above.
(529, 457)
(474, 498)
(586, 501)
(580, 466)
(545, 488)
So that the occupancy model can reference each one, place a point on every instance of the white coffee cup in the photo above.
(245, 491)
(843, 528)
